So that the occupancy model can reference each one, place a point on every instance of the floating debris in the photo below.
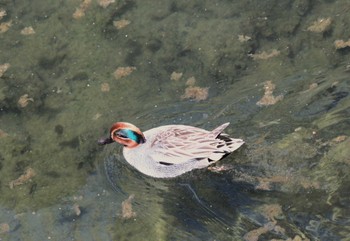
(196, 93)
(191, 81)
(24, 100)
(268, 98)
(243, 38)
(127, 211)
(105, 3)
(121, 23)
(105, 87)
(3, 68)
(121, 72)
(320, 25)
(5, 26)
(80, 12)
(341, 44)
(25, 177)
(28, 31)
(176, 76)
(265, 55)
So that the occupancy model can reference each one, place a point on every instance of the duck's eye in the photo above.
(119, 134)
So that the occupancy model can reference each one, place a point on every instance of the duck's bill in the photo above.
(104, 141)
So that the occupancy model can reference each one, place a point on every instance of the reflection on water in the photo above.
(278, 71)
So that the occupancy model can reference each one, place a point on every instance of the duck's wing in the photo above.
(180, 144)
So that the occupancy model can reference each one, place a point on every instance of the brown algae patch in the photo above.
(4, 68)
(80, 11)
(191, 81)
(4, 228)
(243, 38)
(265, 55)
(122, 72)
(4, 27)
(120, 24)
(176, 76)
(127, 210)
(3, 134)
(105, 87)
(3, 13)
(105, 3)
(269, 98)
(341, 44)
(254, 234)
(76, 209)
(320, 25)
(195, 93)
(24, 100)
(28, 31)
(25, 177)
(96, 116)
(272, 212)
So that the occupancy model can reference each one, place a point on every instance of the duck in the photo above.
(171, 150)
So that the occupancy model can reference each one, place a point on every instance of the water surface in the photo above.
(272, 69)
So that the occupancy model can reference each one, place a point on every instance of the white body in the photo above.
(172, 150)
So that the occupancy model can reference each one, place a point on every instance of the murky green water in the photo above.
(271, 68)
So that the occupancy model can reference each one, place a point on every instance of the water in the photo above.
(290, 180)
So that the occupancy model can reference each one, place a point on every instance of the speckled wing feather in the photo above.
(179, 144)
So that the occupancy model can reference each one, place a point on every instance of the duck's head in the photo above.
(124, 133)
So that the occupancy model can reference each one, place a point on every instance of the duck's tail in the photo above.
(217, 131)
(226, 145)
